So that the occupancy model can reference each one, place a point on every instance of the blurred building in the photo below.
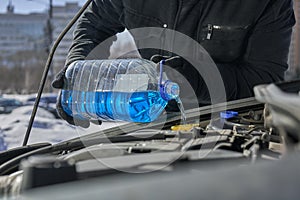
(21, 32)
(294, 57)
(25, 32)
(62, 15)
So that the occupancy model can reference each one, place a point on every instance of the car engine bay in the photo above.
(249, 132)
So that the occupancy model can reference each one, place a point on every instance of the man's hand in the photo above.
(62, 114)
(192, 87)
(58, 83)
(177, 69)
(174, 62)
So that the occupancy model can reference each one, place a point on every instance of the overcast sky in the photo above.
(27, 6)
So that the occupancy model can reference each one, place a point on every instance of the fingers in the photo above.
(58, 82)
(173, 62)
(78, 121)
(157, 58)
(97, 122)
(60, 111)
(81, 122)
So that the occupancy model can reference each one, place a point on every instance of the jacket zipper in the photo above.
(209, 31)
(211, 28)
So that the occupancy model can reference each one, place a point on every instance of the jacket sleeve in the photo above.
(99, 22)
(265, 59)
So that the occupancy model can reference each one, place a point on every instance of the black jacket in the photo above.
(248, 39)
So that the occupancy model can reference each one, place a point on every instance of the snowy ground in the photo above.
(46, 127)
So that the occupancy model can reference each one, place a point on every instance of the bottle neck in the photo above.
(168, 89)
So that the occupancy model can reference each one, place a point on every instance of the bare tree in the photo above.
(21, 73)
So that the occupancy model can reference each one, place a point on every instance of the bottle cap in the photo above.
(169, 90)
(228, 114)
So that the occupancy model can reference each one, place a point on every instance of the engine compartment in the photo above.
(242, 135)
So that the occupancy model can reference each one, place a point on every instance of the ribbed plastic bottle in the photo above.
(131, 90)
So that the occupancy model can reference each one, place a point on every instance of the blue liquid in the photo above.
(126, 106)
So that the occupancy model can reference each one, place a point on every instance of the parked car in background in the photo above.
(48, 102)
(7, 105)
(14, 125)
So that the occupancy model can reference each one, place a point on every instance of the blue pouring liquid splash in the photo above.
(182, 110)
(143, 106)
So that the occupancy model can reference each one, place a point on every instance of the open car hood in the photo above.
(238, 157)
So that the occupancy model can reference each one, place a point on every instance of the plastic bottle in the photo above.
(122, 90)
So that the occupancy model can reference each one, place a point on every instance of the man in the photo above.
(248, 40)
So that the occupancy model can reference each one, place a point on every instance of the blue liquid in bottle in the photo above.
(141, 106)
(116, 90)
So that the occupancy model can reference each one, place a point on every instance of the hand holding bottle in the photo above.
(58, 83)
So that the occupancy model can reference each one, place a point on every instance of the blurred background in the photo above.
(29, 27)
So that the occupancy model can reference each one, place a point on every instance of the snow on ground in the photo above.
(46, 128)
